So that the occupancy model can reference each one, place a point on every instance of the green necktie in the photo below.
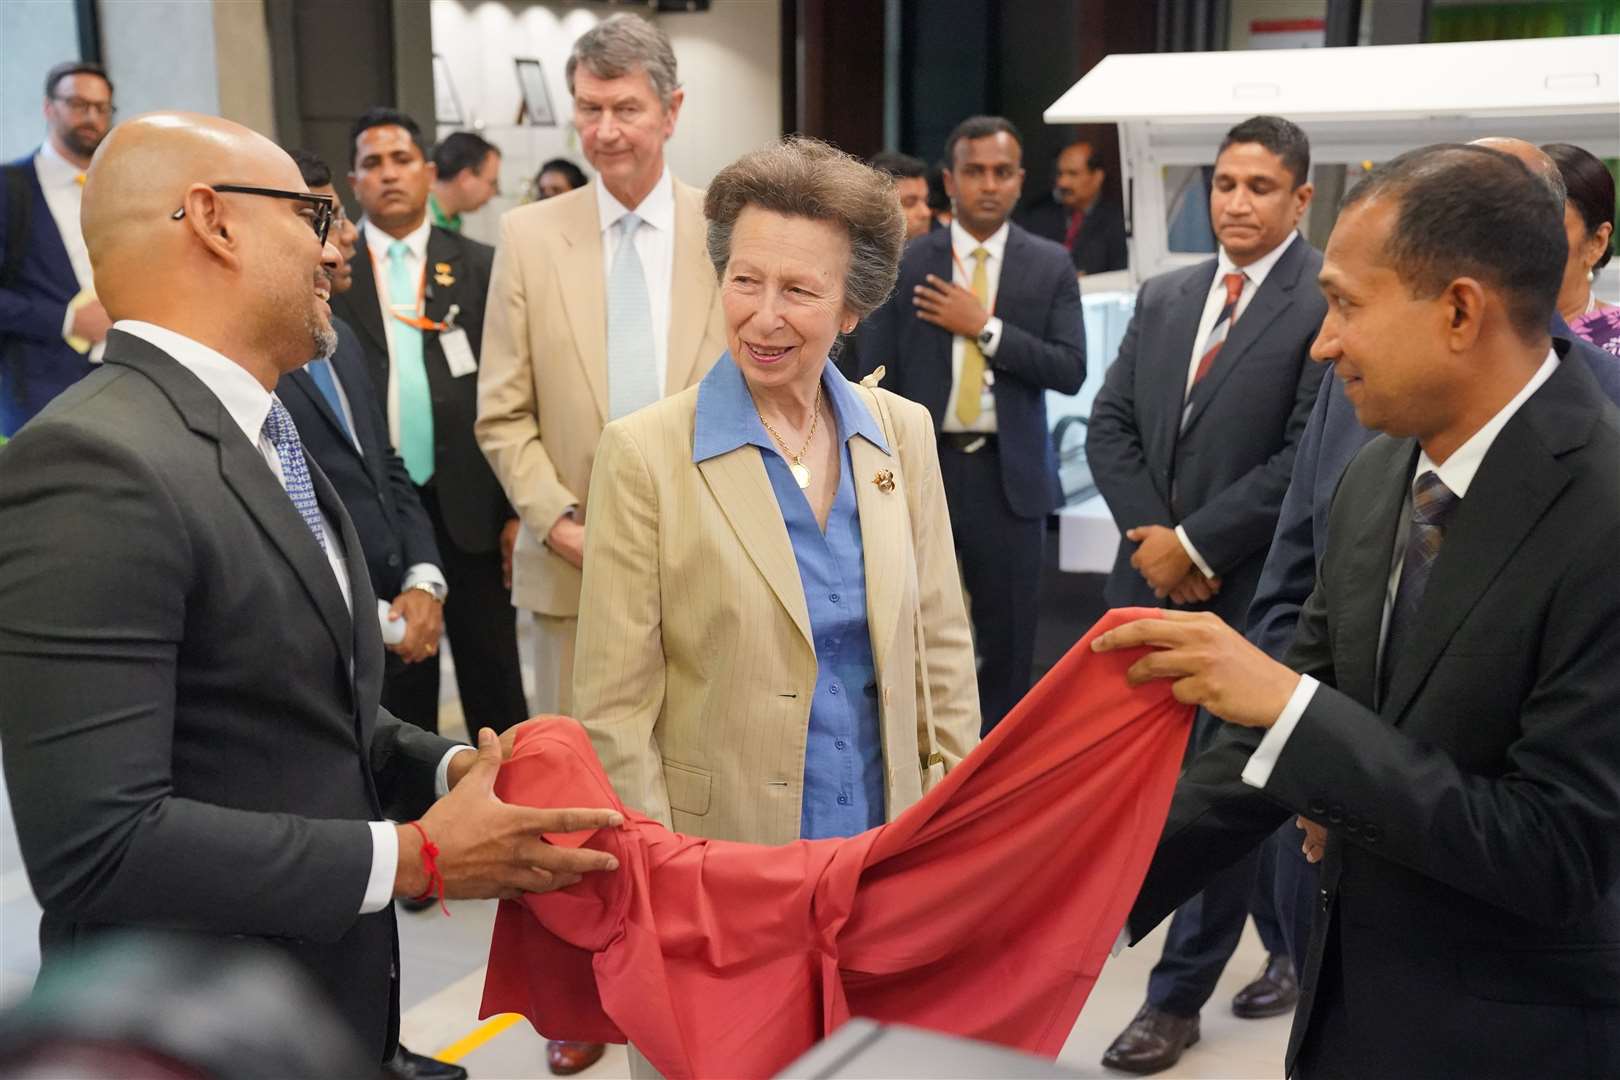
(410, 370)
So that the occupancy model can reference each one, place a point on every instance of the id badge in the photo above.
(458, 352)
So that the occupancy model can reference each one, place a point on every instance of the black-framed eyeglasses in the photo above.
(323, 205)
(87, 108)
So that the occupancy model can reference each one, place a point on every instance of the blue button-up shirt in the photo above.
(843, 760)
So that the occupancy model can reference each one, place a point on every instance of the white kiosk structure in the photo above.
(1358, 105)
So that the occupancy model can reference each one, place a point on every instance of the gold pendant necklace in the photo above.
(796, 465)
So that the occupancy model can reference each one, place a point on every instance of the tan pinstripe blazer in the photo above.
(542, 379)
(694, 667)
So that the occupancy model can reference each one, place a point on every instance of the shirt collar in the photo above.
(1258, 270)
(54, 169)
(726, 417)
(247, 402)
(437, 215)
(378, 242)
(1458, 471)
(657, 209)
(963, 242)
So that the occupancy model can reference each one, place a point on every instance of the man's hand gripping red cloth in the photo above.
(986, 910)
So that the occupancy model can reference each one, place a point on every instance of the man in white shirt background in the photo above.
(52, 327)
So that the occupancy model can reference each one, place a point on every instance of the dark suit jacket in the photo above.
(1470, 879)
(475, 508)
(1332, 437)
(1222, 478)
(1043, 347)
(371, 480)
(1098, 248)
(184, 747)
(35, 363)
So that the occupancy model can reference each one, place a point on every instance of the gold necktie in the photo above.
(970, 389)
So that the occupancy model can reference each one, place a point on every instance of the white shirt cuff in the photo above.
(384, 864)
(993, 328)
(1192, 553)
(1264, 758)
(424, 572)
(441, 777)
(67, 321)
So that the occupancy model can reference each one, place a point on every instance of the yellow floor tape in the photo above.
(467, 1044)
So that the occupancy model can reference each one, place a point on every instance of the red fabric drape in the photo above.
(985, 910)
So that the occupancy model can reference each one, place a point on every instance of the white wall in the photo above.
(35, 35)
(728, 60)
(160, 54)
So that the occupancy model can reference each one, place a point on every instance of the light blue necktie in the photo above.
(283, 435)
(326, 382)
(410, 370)
(632, 365)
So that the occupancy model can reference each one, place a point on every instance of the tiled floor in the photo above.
(443, 958)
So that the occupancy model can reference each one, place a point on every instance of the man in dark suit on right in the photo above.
(985, 319)
(1448, 706)
(1191, 442)
(1078, 214)
(417, 303)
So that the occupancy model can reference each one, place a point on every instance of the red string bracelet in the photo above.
(430, 853)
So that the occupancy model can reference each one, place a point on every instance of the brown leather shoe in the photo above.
(1153, 1042)
(567, 1058)
(1272, 994)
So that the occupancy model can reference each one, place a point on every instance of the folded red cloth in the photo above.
(985, 910)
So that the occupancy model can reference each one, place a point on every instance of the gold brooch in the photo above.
(884, 481)
(442, 275)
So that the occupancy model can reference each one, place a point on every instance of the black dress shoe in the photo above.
(1153, 1042)
(408, 1066)
(413, 904)
(1272, 994)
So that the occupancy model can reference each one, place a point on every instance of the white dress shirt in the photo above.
(1457, 473)
(59, 180)
(963, 245)
(1254, 275)
(377, 245)
(655, 246)
(248, 404)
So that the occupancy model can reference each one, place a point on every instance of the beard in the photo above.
(83, 141)
(323, 337)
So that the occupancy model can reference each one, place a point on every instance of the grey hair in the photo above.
(621, 44)
(807, 178)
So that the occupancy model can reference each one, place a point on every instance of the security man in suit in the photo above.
(1191, 443)
(52, 327)
(192, 738)
(418, 303)
(985, 320)
(1447, 708)
(1078, 214)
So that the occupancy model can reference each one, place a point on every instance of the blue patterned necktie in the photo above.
(1432, 506)
(632, 365)
(283, 435)
(410, 368)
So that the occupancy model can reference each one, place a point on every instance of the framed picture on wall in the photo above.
(536, 98)
(446, 105)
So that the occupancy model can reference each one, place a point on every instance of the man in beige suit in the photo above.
(602, 301)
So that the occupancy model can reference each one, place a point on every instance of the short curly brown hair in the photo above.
(804, 177)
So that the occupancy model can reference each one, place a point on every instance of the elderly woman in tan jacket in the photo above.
(772, 641)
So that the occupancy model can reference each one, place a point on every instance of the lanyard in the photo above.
(990, 305)
(417, 318)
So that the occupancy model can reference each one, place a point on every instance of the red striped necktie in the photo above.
(1223, 325)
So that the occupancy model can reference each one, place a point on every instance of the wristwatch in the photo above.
(986, 336)
(432, 588)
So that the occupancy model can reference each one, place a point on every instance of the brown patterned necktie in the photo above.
(1432, 506)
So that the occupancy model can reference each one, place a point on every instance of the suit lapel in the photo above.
(443, 250)
(1181, 328)
(45, 231)
(364, 306)
(1358, 609)
(1272, 298)
(584, 294)
(941, 340)
(884, 527)
(688, 293)
(1515, 485)
(743, 490)
(301, 382)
